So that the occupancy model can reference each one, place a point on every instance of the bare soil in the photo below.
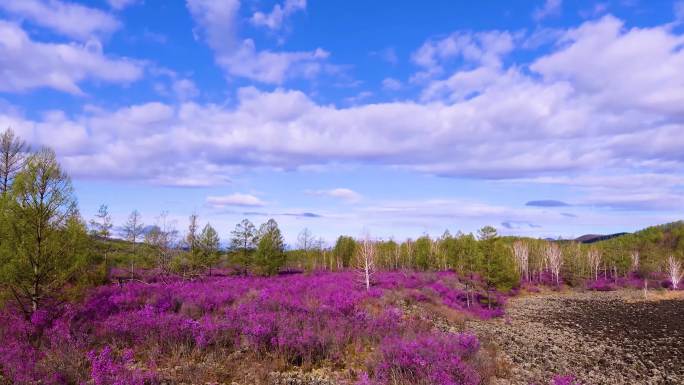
(601, 338)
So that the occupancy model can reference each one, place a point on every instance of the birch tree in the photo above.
(366, 260)
(674, 271)
(634, 258)
(521, 252)
(554, 258)
(594, 261)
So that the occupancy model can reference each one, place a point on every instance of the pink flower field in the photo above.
(221, 328)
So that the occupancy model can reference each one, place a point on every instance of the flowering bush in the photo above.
(602, 284)
(302, 319)
(107, 369)
(427, 359)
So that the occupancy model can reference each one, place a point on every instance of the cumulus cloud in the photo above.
(510, 125)
(237, 199)
(484, 48)
(68, 19)
(217, 20)
(28, 64)
(607, 62)
(269, 66)
(340, 193)
(274, 20)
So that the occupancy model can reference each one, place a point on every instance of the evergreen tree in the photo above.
(244, 241)
(208, 248)
(270, 252)
(13, 152)
(44, 248)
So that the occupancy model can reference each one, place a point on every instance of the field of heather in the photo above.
(246, 330)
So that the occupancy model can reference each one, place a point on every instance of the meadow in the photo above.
(223, 329)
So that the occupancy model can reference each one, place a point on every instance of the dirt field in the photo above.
(602, 338)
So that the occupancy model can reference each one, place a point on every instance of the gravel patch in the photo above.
(600, 337)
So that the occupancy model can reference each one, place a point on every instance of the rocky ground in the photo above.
(600, 337)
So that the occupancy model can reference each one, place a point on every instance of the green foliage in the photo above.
(102, 223)
(388, 254)
(423, 252)
(243, 242)
(208, 253)
(498, 269)
(344, 250)
(45, 243)
(270, 253)
(487, 233)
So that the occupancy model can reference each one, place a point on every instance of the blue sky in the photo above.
(542, 118)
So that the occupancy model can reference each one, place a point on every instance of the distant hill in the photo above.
(591, 238)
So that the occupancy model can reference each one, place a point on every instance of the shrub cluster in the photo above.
(127, 332)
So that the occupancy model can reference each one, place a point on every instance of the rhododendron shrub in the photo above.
(427, 359)
(109, 369)
(301, 319)
(632, 281)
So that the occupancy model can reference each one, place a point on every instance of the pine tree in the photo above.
(44, 237)
(208, 248)
(244, 241)
(270, 252)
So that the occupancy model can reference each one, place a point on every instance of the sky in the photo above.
(543, 118)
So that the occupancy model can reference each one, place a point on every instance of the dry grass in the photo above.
(657, 295)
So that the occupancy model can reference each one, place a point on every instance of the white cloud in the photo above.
(237, 199)
(345, 194)
(271, 67)
(274, 20)
(550, 8)
(481, 48)
(217, 21)
(27, 64)
(620, 68)
(482, 122)
(391, 84)
(68, 19)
